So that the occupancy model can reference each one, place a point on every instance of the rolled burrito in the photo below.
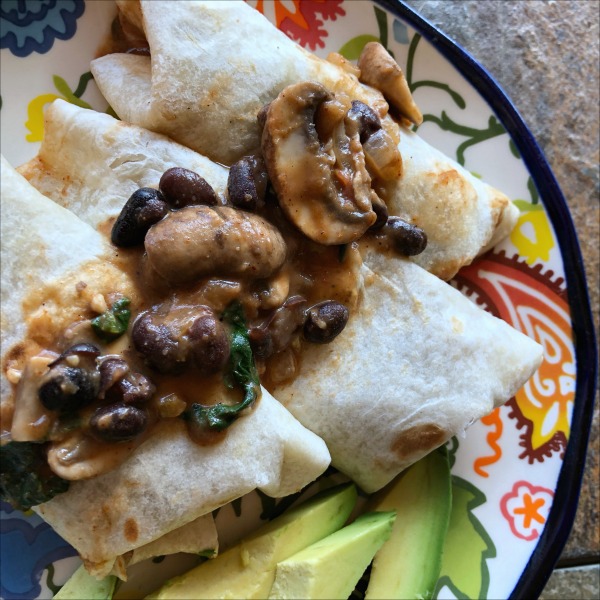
(399, 396)
(416, 366)
(91, 163)
(204, 89)
(124, 497)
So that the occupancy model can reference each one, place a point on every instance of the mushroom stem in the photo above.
(379, 70)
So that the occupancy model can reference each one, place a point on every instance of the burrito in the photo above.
(103, 447)
(91, 163)
(206, 87)
(419, 364)
(384, 392)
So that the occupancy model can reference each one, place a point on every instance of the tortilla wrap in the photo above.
(53, 264)
(42, 246)
(417, 365)
(90, 162)
(410, 301)
(196, 537)
(169, 480)
(208, 78)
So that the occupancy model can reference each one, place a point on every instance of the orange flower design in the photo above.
(299, 19)
(526, 508)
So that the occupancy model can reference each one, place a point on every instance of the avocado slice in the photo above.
(248, 569)
(331, 567)
(83, 585)
(408, 565)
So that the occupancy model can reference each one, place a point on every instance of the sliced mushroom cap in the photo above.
(322, 185)
(379, 70)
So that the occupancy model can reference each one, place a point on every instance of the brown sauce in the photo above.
(313, 271)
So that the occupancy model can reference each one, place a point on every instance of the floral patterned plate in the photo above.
(516, 474)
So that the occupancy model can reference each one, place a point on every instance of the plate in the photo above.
(517, 472)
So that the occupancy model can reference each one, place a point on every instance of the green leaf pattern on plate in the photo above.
(468, 545)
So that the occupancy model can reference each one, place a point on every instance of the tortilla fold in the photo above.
(170, 480)
(207, 79)
(91, 163)
(53, 264)
(417, 365)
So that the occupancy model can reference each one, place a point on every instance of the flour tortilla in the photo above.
(168, 481)
(196, 537)
(462, 216)
(419, 364)
(404, 286)
(208, 78)
(91, 163)
(45, 246)
(213, 68)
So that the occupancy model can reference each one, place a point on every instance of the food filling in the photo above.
(229, 292)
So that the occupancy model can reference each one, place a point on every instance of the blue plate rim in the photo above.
(562, 514)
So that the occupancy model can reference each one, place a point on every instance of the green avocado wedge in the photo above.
(248, 569)
(82, 585)
(330, 568)
(408, 565)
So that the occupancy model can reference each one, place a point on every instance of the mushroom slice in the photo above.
(379, 70)
(317, 171)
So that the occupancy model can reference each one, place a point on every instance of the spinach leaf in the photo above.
(25, 478)
(241, 372)
(114, 322)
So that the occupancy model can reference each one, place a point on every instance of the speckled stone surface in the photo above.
(545, 55)
(573, 583)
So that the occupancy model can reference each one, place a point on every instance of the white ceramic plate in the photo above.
(517, 472)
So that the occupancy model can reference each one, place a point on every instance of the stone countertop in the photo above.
(545, 56)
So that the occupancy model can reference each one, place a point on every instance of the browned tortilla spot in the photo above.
(452, 181)
(131, 530)
(419, 439)
(106, 512)
(448, 269)
(15, 354)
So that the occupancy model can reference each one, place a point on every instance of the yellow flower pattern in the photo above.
(532, 235)
(35, 116)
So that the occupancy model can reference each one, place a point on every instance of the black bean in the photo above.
(111, 371)
(261, 341)
(380, 209)
(325, 321)
(118, 422)
(135, 388)
(247, 183)
(182, 187)
(154, 340)
(368, 120)
(209, 343)
(67, 389)
(407, 239)
(144, 208)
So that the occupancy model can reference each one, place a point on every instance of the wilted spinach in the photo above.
(25, 478)
(241, 372)
(114, 322)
